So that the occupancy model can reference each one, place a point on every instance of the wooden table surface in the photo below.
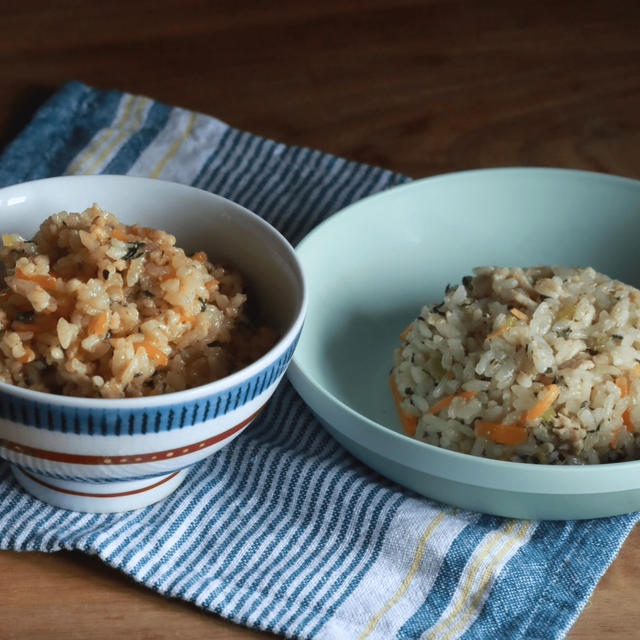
(419, 86)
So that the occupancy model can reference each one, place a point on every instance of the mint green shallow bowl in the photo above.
(370, 267)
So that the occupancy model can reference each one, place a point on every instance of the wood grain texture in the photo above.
(419, 86)
(74, 596)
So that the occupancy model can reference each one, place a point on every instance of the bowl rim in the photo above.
(211, 388)
(548, 171)
(456, 460)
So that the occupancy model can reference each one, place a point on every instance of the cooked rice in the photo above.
(530, 365)
(91, 307)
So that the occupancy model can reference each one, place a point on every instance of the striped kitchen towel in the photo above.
(282, 529)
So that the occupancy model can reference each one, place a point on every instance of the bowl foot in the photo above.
(109, 497)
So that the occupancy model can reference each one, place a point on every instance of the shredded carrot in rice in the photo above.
(546, 400)
(409, 422)
(521, 315)
(636, 369)
(119, 235)
(98, 324)
(140, 231)
(626, 420)
(502, 433)
(445, 401)
(497, 332)
(623, 384)
(405, 332)
(154, 353)
(47, 282)
(614, 438)
(46, 321)
(168, 276)
(27, 356)
(505, 327)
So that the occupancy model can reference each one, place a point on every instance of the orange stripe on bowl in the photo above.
(134, 458)
(100, 495)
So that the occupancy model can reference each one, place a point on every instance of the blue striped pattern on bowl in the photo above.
(38, 412)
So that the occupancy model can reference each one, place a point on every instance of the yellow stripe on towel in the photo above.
(175, 145)
(96, 143)
(415, 563)
(137, 121)
(459, 611)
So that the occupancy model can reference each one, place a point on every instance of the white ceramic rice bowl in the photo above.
(372, 266)
(102, 455)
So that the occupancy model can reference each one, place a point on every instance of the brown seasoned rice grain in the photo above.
(91, 307)
(534, 365)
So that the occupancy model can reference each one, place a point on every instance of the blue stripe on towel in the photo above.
(236, 509)
(130, 151)
(216, 158)
(64, 124)
(537, 577)
(360, 563)
(445, 585)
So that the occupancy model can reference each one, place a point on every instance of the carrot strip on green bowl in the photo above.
(546, 400)
(409, 422)
(502, 433)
